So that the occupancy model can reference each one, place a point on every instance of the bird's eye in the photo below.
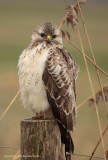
(54, 36)
(42, 34)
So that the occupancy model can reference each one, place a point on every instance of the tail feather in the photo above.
(68, 157)
(67, 140)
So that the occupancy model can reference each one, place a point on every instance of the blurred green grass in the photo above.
(18, 19)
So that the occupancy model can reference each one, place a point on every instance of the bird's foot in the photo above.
(38, 117)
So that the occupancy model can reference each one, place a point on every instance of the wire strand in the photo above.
(83, 155)
(9, 147)
(87, 156)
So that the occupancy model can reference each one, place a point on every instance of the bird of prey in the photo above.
(47, 77)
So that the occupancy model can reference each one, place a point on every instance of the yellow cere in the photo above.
(48, 37)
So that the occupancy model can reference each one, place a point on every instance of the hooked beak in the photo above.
(48, 38)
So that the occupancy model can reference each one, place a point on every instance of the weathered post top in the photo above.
(41, 140)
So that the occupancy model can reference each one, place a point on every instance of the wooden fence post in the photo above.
(41, 140)
(106, 155)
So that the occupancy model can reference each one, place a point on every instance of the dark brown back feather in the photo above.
(59, 79)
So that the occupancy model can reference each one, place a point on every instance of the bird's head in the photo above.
(48, 33)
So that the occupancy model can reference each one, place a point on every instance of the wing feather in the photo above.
(59, 79)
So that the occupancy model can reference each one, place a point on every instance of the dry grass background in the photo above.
(18, 20)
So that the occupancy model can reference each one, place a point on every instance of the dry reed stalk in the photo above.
(86, 56)
(94, 150)
(91, 85)
(92, 89)
(17, 155)
(12, 101)
(89, 43)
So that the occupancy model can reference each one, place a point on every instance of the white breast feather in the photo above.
(31, 66)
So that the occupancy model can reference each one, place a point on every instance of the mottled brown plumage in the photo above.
(60, 85)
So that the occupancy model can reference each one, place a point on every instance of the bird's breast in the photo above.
(31, 68)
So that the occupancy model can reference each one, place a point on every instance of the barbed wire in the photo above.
(75, 154)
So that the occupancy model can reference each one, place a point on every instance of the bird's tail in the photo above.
(67, 140)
